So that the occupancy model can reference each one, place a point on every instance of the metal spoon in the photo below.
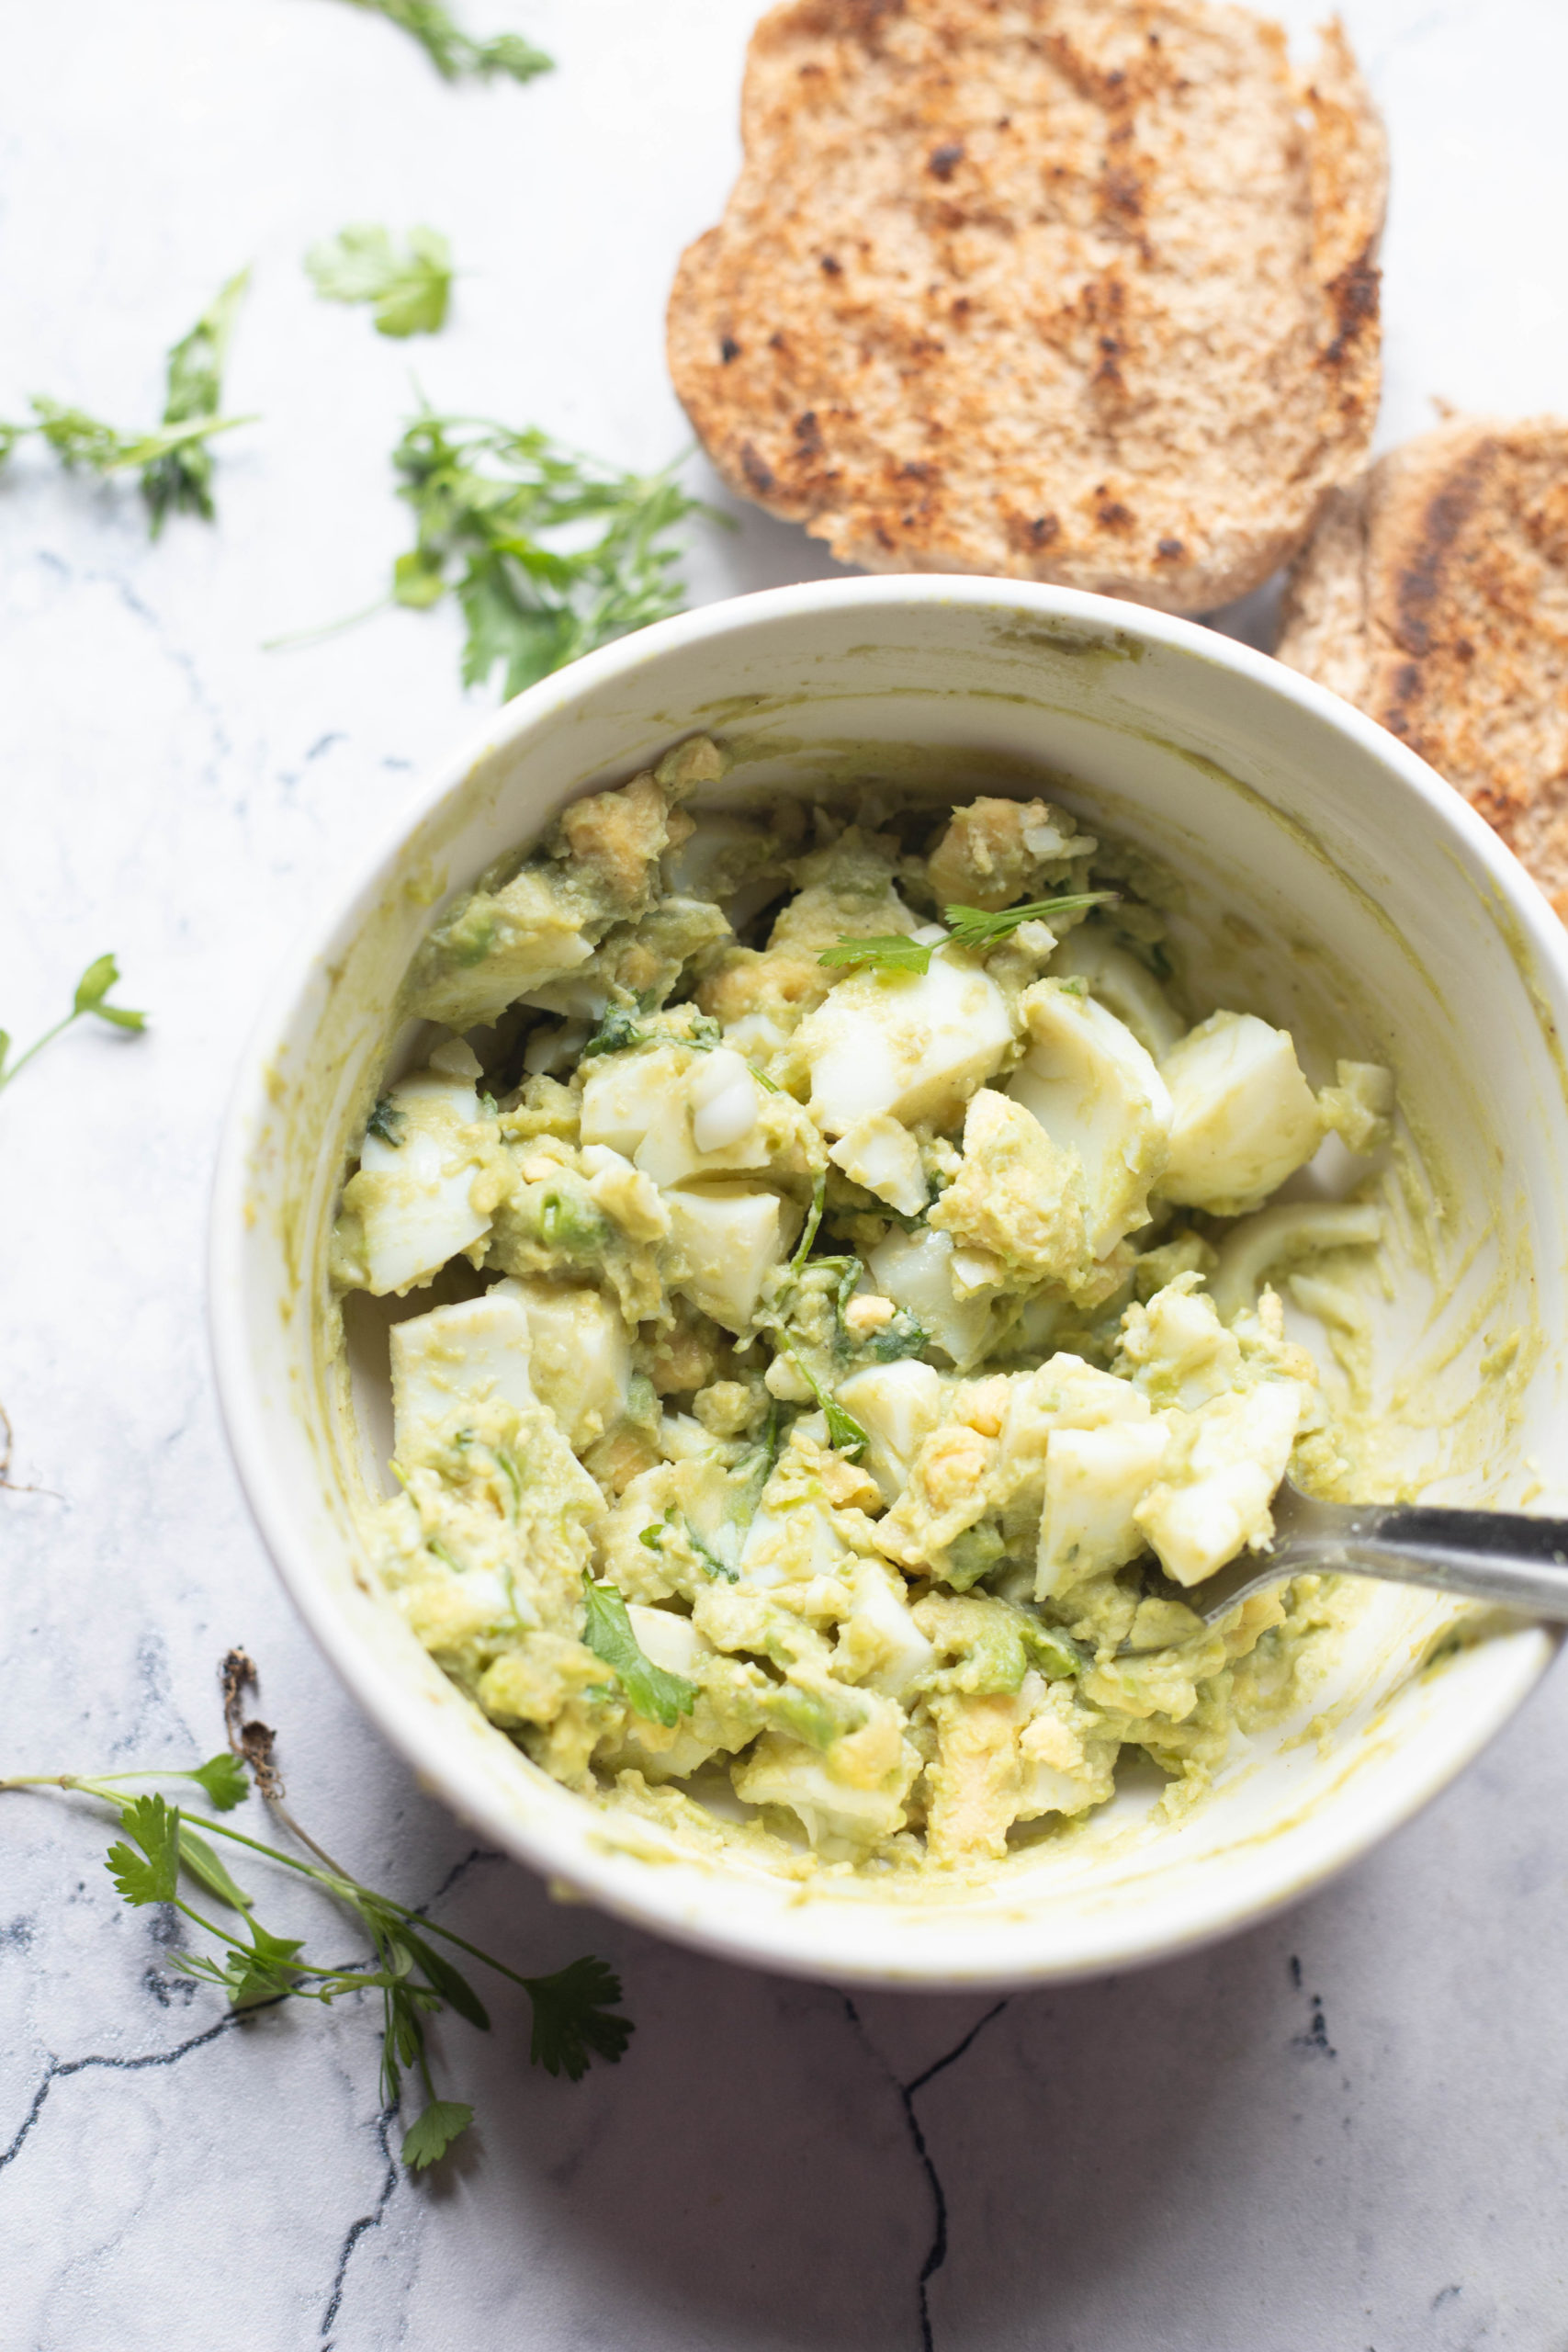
(1494, 1555)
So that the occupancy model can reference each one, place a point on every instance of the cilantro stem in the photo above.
(334, 1879)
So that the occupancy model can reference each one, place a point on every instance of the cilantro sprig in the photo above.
(548, 552)
(409, 290)
(970, 927)
(884, 951)
(454, 52)
(179, 481)
(91, 998)
(650, 1690)
(173, 459)
(158, 1853)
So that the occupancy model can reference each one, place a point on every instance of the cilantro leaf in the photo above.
(973, 927)
(450, 1983)
(91, 992)
(454, 52)
(203, 1864)
(223, 1777)
(490, 505)
(572, 2019)
(268, 1968)
(432, 2133)
(845, 1434)
(410, 291)
(386, 1123)
(179, 481)
(663, 1698)
(147, 1871)
(888, 952)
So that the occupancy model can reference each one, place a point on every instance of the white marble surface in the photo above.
(1344, 2131)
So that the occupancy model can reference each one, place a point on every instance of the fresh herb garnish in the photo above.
(78, 439)
(386, 1123)
(662, 1697)
(454, 52)
(175, 461)
(573, 2010)
(410, 291)
(813, 1219)
(180, 480)
(888, 951)
(845, 1434)
(91, 997)
(973, 927)
(490, 505)
(967, 927)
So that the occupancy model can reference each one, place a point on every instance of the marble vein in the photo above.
(936, 2253)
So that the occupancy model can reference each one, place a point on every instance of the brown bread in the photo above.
(1076, 291)
(1435, 594)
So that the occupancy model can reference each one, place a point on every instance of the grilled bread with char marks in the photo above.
(1074, 290)
(1435, 595)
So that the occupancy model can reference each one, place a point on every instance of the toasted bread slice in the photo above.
(1077, 291)
(1435, 594)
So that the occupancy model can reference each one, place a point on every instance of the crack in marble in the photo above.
(458, 1870)
(59, 2069)
(936, 2253)
(364, 2226)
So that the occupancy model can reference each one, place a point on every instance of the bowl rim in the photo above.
(560, 1843)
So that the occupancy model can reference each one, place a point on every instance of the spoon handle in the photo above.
(1494, 1555)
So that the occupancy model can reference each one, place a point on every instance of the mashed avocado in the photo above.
(832, 1337)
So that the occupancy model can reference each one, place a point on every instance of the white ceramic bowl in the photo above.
(1355, 896)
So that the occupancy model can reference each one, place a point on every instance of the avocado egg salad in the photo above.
(849, 1253)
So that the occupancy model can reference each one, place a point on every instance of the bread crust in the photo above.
(1435, 595)
(1073, 290)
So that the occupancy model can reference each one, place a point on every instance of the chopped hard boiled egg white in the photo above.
(1242, 1117)
(728, 1238)
(474, 1351)
(1096, 1094)
(884, 1157)
(415, 1196)
(1223, 1466)
(912, 1045)
(896, 1405)
(916, 1270)
(578, 1354)
(1095, 1480)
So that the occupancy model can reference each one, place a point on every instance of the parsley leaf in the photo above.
(410, 291)
(91, 997)
(432, 2133)
(572, 2019)
(152, 1874)
(197, 1857)
(454, 52)
(490, 505)
(888, 952)
(223, 1778)
(973, 927)
(663, 1698)
(180, 480)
